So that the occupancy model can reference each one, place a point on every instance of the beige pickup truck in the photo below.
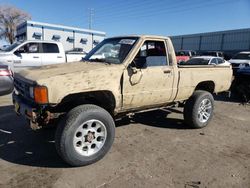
(120, 76)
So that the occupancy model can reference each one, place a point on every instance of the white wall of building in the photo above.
(82, 38)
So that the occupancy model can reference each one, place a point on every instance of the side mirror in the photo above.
(17, 53)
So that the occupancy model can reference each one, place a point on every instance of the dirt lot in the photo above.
(150, 151)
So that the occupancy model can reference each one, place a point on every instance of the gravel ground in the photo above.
(154, 149)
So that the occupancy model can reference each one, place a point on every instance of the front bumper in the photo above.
(24, 108)
(34, 113)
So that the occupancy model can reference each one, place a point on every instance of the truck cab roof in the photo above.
(143, 36)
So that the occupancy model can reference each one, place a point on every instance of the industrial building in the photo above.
(227, 41)
(70, 37)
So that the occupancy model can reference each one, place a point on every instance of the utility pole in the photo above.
(91, 14)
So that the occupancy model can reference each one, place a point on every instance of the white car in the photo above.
(207, 60)
(240, 60)
(36, 53)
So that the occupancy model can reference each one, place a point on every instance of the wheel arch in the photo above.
(206, 86)
(103, 98)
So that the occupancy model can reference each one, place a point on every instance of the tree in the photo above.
(10, 18)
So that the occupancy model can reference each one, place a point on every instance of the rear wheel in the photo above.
(85, 135)
(198, 109)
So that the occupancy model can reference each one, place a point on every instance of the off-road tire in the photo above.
(191, 109)
(65, 134)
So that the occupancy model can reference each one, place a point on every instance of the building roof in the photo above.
(61, 27)
(213, 33)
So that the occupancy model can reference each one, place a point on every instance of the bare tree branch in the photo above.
(10, 18)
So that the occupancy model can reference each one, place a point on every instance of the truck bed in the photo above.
(191, 75)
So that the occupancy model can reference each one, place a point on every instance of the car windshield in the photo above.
(197, 61)
(242, 56)
(182, 53)
(11, 47)
(112, 51)
(209, 53)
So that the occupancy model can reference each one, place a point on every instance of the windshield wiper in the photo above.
(96, 60)
(99, 60)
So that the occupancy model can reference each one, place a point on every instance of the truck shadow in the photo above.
(157, 118)
(20, 145)
(224, 97)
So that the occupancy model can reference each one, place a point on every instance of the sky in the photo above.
(120, 17)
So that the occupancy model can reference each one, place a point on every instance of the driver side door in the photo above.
(28, 55)
(149, 79)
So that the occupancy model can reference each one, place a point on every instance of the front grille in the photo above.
(22, 87)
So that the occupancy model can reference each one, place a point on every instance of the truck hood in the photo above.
(70, 78)
(39, 73)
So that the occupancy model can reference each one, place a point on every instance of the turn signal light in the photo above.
(41, 95)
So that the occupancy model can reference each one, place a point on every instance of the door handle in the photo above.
(59, 56)
(35, 57)
(167, 71)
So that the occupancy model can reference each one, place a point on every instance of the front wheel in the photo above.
(85, 135)
(198, 109)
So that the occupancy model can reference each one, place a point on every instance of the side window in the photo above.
(50, 48)
(220, 61)
(214, 61)
(154, 52)
(29, 48)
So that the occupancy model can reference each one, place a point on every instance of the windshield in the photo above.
(242, 56)
(182, 53)
(11, 47)
(197, 61)
(209, 53)
(112, 51)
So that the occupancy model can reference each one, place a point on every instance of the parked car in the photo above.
(240, 60)
(207, 60)
(4, 47)
(6, 80)
(76, 50)
(241, 84)
(134, 74)
(213, 53)
(184, 55)
(27, 54)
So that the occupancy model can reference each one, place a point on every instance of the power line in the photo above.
(131, 13)
(135, 9)
(168, 11)
(122, 5)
